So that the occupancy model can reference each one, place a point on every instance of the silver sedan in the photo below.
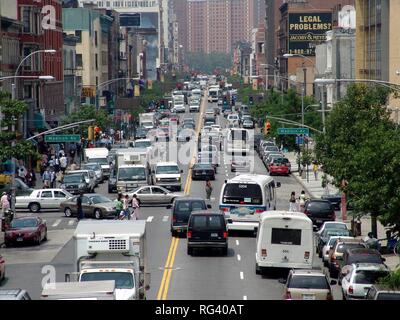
(151, 195)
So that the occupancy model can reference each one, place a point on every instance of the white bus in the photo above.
(213, 93)
(238, 142)
(245, 197)
(284, 240)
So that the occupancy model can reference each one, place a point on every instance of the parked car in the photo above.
(336, 200)
(2, 268)
(332, 225)
(319, 211)
(181, 210)
(358, 255)
(271, 156)
(154, 195)
(360, 277)
(112, 182)
(279, 166)
(75, 184)
(14, 294)
(304, 284)
(323, 238)
(207, 230)
(329, 245)
(268, 149)
(42, 199)
(336, 254)
(26, 229)
(93, 205)
(203, 171)
(382, 292)
(97, 170)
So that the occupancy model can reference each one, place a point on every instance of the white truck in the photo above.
(168, 175)
(88, 290)
(133, 168)
(178, 102)
(147, 120)
(113, 250)
(100, 156)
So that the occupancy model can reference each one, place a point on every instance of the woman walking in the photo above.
(292, 202)
(209, 189)
(135, 206)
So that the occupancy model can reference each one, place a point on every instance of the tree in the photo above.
(361, 147)
(12, 110)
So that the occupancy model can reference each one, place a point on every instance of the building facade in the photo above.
(72, 89)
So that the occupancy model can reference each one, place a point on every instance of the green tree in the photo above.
(12, 110)
(361, 147)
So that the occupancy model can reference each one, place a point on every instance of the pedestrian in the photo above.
(63, 163)
(60, 177)
(125, 207)
(135, 206)
(292, 202)
(209, 189)
(5, 203)
(52, 162)
(118, 207)
(315, 170)
(46, 178)
(81, 214)
(53, 178)
(302, 201)
(72, 151)
(33, 178)
(74, 166)
(57, 164)
(22, 172)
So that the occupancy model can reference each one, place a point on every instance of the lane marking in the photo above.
(71, 222)
(241, 275)
(237, 242)
(55, 224)
(239, 257)
(168, 279)
(150, 219)
(165, 218)
(171, 249)
(244, 297)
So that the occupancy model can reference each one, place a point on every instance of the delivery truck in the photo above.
(89, 290)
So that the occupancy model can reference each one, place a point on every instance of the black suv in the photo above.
(207, 230)
(319, 211)
(181, 210)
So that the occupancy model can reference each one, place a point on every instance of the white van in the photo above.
(284, 240)
(245, 197)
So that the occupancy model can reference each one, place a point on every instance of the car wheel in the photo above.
(34, 207)
(68, 212)
(97, 214)
(190, 251)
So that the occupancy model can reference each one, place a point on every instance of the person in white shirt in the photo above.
(63, 163)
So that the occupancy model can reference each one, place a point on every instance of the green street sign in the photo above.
(286, 131)
(55, 138)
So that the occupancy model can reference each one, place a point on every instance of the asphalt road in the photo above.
(174, 274)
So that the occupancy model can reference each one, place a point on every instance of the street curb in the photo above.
(304, 186)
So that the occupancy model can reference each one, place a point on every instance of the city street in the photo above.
(207, 276)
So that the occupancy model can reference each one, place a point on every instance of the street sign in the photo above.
(285, 131)
(299, 140)
(55, 138)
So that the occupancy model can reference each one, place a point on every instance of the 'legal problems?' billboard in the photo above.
(306, 29)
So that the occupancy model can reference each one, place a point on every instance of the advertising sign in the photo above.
(306, 30)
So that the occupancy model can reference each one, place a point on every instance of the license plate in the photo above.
(214, 235)
(308, 297)
(20, 239)
(319, 221)
(203, 173)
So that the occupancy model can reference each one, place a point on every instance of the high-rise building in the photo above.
(217, 25)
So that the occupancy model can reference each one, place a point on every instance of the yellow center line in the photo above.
(166, 278)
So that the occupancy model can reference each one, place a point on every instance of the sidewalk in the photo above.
(315, 190)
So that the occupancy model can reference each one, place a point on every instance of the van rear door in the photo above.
(207, 228)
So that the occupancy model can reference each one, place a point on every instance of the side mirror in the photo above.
(282, 281)
(169, 206)
(209, 206)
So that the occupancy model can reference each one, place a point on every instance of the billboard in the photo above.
(307, 29)
(129, 19)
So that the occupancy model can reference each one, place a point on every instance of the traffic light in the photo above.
(225, 101)
(251, 101)
(90, 133)
(267, 128)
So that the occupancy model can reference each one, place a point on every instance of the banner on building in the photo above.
(255, 84)
(137, 90)
(149, 84)
(88, 92)
(306, 30)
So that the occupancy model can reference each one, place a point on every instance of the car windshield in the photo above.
(369, 276)
(99, 199)
(242, 194)
(319, 205)
(92, 166)
(344, 246)
(364, 258)
(204, 222)
(142, 144)
(203, 166)
(74, 179)
(128, 174)
(24, 223)
(336, 232)
(167, 169)
(100, 161)
(271, 148)
(388, 296)
(123, 280)
(185, 207)
(308, 282)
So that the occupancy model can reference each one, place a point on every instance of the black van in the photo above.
(181, 210)
(207, 230)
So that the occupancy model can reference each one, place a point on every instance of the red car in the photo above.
(280, 166)
(26, 229)
(174, 118)
(2, 268)
(162, 134)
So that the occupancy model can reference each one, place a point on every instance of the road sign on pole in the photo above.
(56, 138)
(289, 131)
